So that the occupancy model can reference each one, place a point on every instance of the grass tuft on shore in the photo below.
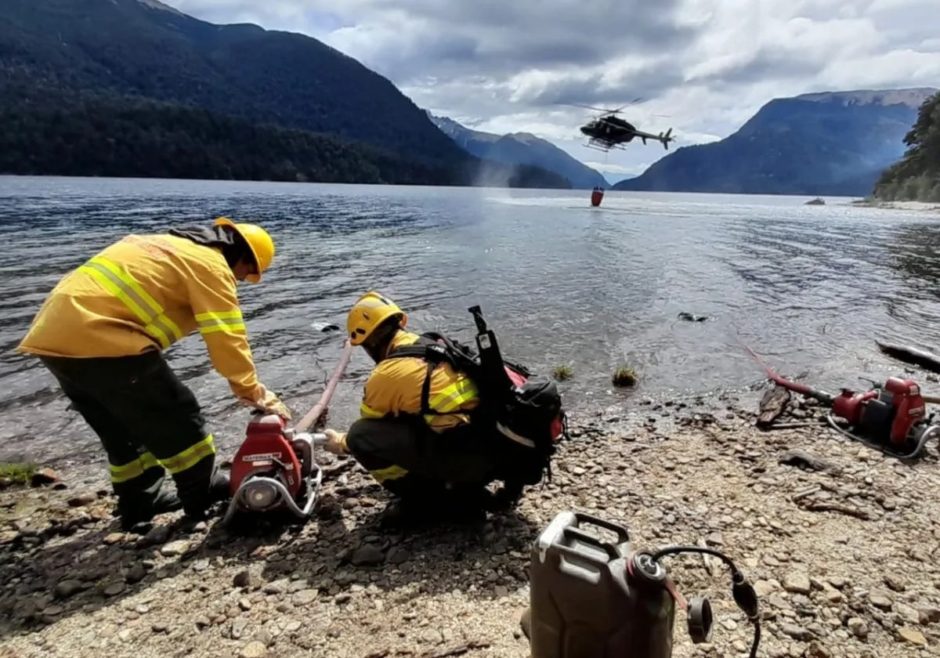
(624, 376)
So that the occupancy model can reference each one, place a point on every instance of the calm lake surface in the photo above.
(809, 287)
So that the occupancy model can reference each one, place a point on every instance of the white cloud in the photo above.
(707, 65)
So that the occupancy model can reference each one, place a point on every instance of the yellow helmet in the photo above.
(260, 243)
(369, 311)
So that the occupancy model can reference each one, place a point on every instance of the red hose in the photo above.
(786, 383)
(314, 414)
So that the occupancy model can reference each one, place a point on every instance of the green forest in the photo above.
(916, 177)
(55, 133)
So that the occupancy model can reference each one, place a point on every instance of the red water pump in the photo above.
(274, 469)
(892, 417)
(893, 411)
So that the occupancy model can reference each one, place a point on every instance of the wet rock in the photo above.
(66, 588)
(135, 574)
(157, 535)
(913, 636)
(397, 555)
(43, 477)
(797, 582)
(113, 589)
(254, 649)
(82, 499)
(367, 555)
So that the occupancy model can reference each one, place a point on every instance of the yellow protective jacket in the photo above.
(146, 292)
(394, 388)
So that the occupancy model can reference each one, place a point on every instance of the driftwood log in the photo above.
(773, 403)
(916, 357)
(911, 355)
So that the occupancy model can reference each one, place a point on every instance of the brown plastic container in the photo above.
(583, 601)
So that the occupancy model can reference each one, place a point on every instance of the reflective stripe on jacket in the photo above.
(394, 388)
(147, 292)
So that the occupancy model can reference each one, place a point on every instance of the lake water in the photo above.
(810, 287)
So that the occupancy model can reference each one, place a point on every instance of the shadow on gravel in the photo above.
(79, 568)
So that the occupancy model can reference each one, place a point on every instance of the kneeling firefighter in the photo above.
(439, 422)
(101, 331)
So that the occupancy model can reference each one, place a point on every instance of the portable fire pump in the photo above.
(275, 469)
(891, 417)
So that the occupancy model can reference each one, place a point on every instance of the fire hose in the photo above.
(312, 417)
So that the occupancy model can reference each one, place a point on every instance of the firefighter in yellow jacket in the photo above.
(416, 434)
(101, 332)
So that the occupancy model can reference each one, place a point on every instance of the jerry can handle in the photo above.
(620, 531)
(571, 562)
(586, 538)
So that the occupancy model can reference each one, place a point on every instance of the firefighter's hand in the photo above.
(271, 404)
(335, 442)
(279, 408)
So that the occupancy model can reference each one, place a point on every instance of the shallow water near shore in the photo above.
(809, 287)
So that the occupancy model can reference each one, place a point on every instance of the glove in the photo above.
(335, 442)
(279, 408)
(270, 404)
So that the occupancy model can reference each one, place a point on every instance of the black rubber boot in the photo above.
(165, 501)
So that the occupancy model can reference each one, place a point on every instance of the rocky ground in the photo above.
(841, 542)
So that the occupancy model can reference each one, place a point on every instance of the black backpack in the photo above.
(525, 413)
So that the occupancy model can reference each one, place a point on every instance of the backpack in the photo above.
(525, 413)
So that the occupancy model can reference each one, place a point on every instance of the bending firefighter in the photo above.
(101, 332)
(421, 433)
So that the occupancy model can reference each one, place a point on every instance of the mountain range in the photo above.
(834, 143)
(206, 86)
(520, 148)
(136, 88)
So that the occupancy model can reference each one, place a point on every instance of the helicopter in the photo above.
(610, 131)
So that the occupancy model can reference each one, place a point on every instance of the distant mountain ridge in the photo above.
(315, 111)
(146, 49)
(832, 143)
(520, 148)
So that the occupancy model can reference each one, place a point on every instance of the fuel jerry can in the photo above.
(591, 598)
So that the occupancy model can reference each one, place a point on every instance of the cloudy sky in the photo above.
(702, 67)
